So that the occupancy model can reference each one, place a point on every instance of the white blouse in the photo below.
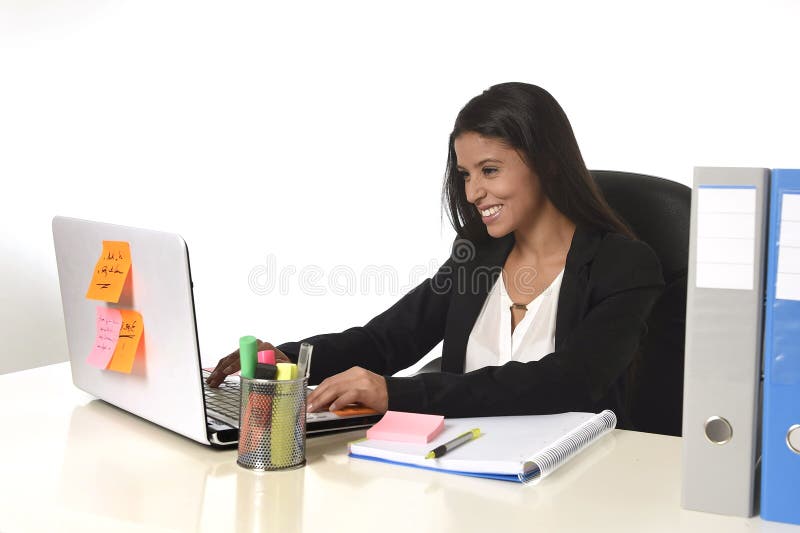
(491, 342)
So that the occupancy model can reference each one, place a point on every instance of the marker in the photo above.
(286, 371)
(258, 409)
(266, 357)
(256, 418)
(283, 417)
(248, 346)
(266, 371)
(448, 447)
(304, 360)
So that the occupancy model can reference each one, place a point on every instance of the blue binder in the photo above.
(780, 464)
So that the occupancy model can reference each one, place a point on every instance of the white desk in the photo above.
(78, 464)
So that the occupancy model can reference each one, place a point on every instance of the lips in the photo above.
(494, 213)
(486, 207)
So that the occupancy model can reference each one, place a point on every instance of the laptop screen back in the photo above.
(165, 383)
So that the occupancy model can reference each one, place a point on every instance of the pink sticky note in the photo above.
(406, 427)
(105, 342)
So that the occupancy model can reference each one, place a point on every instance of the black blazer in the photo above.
(609, 285)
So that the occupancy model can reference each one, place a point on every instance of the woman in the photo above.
(542, 304)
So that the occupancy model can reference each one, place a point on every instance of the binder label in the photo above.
(787, 283)
(726, 231)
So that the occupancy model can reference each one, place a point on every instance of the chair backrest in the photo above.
(658, 212)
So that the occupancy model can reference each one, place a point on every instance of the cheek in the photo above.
(504, 190)
(520, 199)
(526, 195)
(512, 193)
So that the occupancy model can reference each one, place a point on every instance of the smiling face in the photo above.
(499, 183)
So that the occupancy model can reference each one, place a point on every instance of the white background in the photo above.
(317, 131)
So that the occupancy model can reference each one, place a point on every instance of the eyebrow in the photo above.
(487, 160)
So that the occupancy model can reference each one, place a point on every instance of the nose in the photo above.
(473, 191)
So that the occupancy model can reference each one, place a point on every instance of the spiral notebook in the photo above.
(511, 448)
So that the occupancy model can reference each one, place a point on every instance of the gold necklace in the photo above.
(514, 305)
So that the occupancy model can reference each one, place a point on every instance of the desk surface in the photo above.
(72, 463)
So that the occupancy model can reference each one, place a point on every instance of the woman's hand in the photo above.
(356, 385)
(231, 363)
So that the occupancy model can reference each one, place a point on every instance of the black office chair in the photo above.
(658, 211)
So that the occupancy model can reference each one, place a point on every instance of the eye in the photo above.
(463, 174)
(488, 171)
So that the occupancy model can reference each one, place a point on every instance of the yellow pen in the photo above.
(453, 444)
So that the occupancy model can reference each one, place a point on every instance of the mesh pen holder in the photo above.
(272, 424)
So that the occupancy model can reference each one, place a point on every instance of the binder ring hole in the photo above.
(718, 430)
(793, 438)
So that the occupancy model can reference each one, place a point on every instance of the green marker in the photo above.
(248, 356)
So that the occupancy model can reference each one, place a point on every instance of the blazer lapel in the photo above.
(572, 297)
(473, 280)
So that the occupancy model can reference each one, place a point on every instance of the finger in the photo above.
(325, 393)
(312, 400)
(346, 398)
(218, 370)
(233, 365)
(227, 365)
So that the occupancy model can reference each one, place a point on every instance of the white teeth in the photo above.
(491, 211)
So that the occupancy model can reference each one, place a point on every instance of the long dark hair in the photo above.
(528, 119)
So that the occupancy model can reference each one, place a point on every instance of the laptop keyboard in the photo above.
(223, 399)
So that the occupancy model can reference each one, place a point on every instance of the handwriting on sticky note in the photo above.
(109, 322)
(110, 272)
(130, 334)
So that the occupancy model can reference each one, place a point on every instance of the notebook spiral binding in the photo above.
(554, 456)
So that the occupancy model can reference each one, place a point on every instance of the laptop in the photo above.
(166, 384)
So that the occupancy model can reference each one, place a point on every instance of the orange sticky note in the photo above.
(354, 410)
(110, 272)
(130, 333)
(109, 322)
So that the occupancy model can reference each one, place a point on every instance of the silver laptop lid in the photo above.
(165, 384)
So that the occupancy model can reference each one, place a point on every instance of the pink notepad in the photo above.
(406, 427)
